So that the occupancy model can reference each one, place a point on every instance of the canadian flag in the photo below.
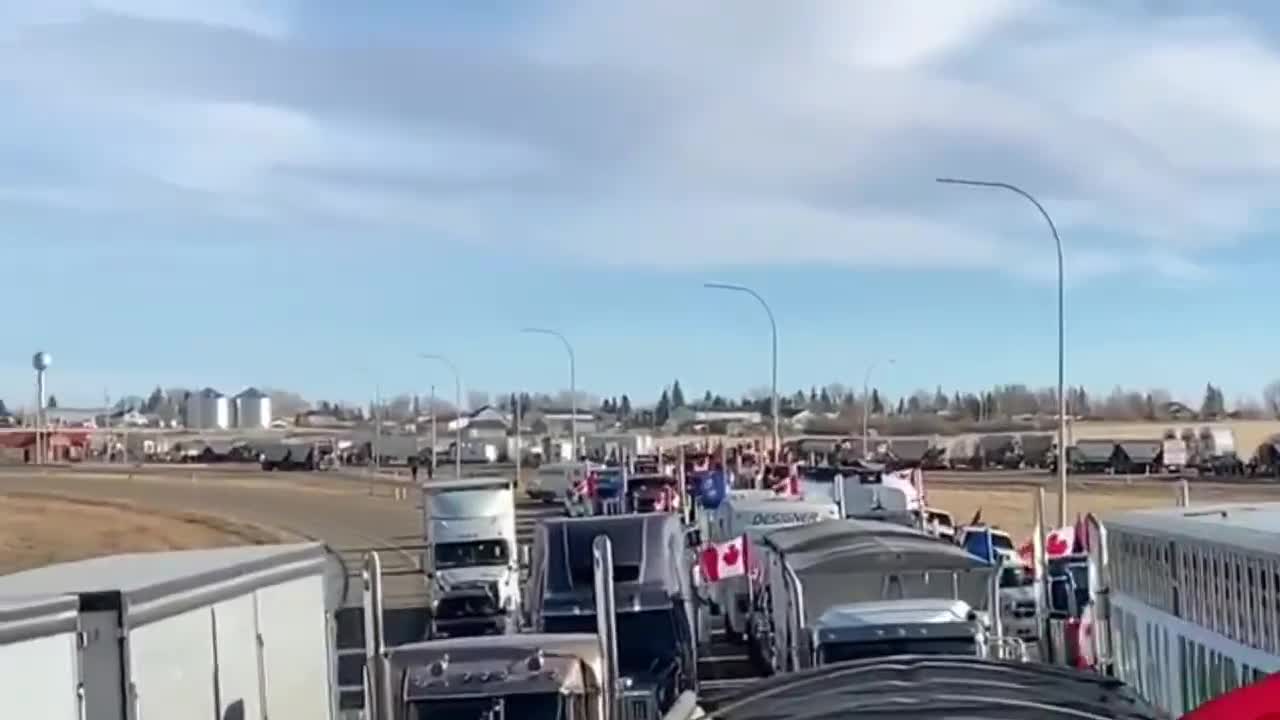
(725, 560)
(1059, 543)
(1259, 701)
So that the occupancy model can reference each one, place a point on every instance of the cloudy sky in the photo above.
(306, 194)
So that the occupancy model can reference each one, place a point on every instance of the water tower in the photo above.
(40, 362)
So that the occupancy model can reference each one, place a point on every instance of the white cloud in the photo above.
(682, 134)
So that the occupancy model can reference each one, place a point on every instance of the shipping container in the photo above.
(39, 677)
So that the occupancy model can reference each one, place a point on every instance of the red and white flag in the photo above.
(725, 560)
(1060, 542)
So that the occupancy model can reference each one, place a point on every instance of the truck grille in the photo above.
(638, 707)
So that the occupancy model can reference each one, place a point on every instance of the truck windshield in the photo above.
(841, 652)
(470, 554)
(646, 639)
(540, 706)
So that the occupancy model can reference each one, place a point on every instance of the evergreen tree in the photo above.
(624, 406)
(154, 401)
(706, 399)
(677, 395)
(877, 405)
(52, 402)
(662, 413)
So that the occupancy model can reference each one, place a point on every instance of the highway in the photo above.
(350, 514)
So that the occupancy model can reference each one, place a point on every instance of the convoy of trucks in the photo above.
(602, 617)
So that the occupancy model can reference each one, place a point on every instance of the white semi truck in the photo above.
(470, 560)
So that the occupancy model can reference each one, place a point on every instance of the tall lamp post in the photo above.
(573, 385)
(457, 401)
(773, 330)
(1062, 398)
(866, 405)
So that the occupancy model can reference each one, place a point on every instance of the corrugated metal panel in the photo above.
(1141, 451)
(1094, 451)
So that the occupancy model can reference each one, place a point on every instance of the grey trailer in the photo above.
(274, 456)
(999, 451)
(908, 452)
(225, 633)
(39, 673)
(1035, 449)
(1091, 456)
(1139, 457)
(655, 599)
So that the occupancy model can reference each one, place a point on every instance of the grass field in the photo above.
(1010, 506)
(38, 530)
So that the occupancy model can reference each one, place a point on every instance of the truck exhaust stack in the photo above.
(379, 700)
(606, 622)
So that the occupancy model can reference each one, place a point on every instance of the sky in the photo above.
(308, 194)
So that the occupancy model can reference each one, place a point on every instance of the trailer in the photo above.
(852, 567)
(225, 633)
(39, 673)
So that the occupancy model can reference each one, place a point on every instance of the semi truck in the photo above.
(470, 557)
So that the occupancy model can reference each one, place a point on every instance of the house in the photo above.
(487, 423)
(557, 422)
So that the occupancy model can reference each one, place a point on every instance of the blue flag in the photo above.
(978, 542)
(713, 487)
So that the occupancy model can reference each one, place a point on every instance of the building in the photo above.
(252, 409)
(558, 422)
(208, 409)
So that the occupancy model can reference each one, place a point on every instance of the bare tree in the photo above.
(1271, 397)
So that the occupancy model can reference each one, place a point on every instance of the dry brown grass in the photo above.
(37, 529)
(1011, 506)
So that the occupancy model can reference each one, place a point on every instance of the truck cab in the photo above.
(655, 602)
(513, 677)
(924, 626)
(470, 558)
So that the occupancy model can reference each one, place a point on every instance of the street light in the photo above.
(773, 329)
(1062, 398)
(866, 404)
(457, 421)
(573, 385)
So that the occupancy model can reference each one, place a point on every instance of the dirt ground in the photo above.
(37, 530)
(1011, 506)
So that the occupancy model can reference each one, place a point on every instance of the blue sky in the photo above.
(307, 194)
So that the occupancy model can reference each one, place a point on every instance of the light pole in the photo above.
(866, 405)
(573, 386)
(1062, 398)
(773, 329)
(457, 401)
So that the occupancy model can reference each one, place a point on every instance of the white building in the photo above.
(252, 409)
(208, 409)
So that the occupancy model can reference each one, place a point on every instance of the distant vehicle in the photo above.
(555, 482)
(652, 493)
(1174, 454)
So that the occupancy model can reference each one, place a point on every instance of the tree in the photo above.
(677, 395)
(662, 413)
(154, 401)
(824, 400)
(877, 405)
(1270, 398)
(625, 406)
(902, 407)
(52, 402)
(4, 411)
(706, 398)
(285, 403)
(939, 399)
(1214, 405)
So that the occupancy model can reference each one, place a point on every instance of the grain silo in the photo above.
(208, 410)
(252, 409)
